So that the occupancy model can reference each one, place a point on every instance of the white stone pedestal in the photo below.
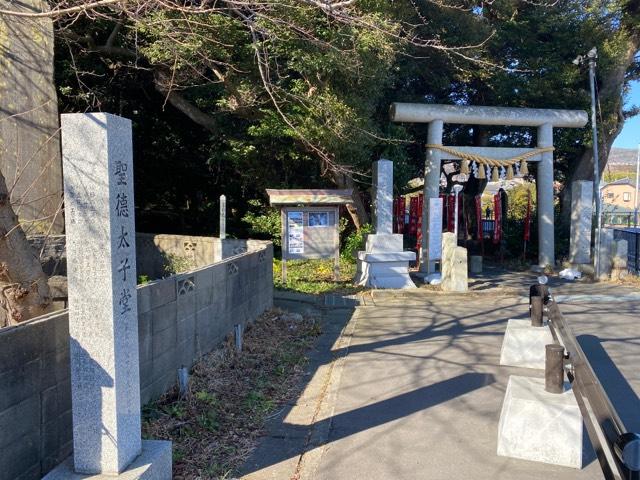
(540, 426)
(154, 463)
(386, 270)
(524, 345)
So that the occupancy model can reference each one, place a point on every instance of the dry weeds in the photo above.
(216, 425)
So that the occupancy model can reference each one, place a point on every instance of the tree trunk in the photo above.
(474, 187)
(357, 210)
(610, 94)
(29, 157)
(24, 292)
(29, 141)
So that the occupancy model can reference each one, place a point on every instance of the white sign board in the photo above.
(435, 228)
(295, 223)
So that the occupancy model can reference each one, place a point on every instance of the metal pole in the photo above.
(593, 55)
(456, 191)
(635, 197)
(455, 222)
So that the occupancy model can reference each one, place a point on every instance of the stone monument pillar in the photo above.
(383, 196)
(384, 264)
(581, 215)
(103, 319)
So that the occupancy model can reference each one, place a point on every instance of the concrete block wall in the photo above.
(185, 316)
(152, 250)
(35, 397)
(180, 318)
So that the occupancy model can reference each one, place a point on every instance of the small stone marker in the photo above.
(620, 259)
(606, 252)
(475, 264)
(223, 217)
(103, 314)
(454, 265)
(581, 214)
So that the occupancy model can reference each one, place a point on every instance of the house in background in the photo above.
(618, 202)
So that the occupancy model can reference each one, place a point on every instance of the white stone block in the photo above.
(454, 265)
(387, 257)
(540, 426)
(153, 463)
(524, 345)
(384, 242)
(385, 270)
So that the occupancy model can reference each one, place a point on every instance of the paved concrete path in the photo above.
(421, 393)
(409, 387)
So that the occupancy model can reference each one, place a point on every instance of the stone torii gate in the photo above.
(544, 119)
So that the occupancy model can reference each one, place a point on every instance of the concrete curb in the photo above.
(317, 439)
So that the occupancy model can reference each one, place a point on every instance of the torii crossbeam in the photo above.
(544, 119)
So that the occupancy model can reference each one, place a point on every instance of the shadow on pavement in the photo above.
(621, 394)
(370, 416)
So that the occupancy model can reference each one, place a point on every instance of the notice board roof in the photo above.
(309, 197)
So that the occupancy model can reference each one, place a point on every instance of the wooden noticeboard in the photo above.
(310, 233)
(310, 219)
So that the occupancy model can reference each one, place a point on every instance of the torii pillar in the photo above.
(544, 119)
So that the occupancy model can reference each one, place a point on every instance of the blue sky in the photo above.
(630, 135)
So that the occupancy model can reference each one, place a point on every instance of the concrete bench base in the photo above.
(524, 345)
(540, 426)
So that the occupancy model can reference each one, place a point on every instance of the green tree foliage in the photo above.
(236, 96)
(264, 222)
(519, 199)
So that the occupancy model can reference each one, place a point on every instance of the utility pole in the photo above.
(591, 57)
(635, 197)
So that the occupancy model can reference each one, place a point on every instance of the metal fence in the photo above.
(632, 236)
(617, 449)
(618, 219)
